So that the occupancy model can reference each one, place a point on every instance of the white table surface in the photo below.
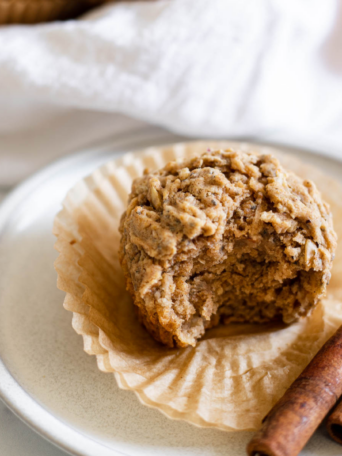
(16, 438)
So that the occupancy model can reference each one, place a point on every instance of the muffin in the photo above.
(257, 362)
(36, 11)
(228, 236)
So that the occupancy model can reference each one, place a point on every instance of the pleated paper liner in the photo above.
(36, 11)
(236, 373)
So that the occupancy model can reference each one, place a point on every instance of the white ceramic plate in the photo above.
(45, 377)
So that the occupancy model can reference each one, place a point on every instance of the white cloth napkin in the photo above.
(218, 68)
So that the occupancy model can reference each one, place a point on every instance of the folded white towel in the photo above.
(265, 68)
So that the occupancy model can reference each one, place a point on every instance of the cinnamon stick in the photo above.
(293, 420)
(334, 424)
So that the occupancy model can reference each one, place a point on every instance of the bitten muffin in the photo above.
(228, 236)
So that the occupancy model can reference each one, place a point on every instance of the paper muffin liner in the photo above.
(236, 373)
(35, 11)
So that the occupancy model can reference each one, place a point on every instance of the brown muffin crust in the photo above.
(229, 236)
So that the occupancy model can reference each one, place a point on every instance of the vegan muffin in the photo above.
(228, 236)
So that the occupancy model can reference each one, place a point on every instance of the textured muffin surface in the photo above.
(229, 236)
